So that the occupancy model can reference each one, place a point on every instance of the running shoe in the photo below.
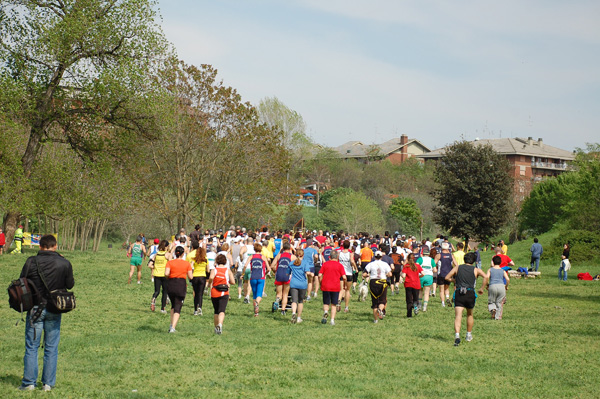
(199, 311)
(380, 313)
(416, 310)
(218, 330)
(172, 330)
(376, 321)
(299, 320)
(246, 300)
(456, 341)
(324, 319)
(469, 337)
(239, 296)
(152, 306)
(46, 388)
(283, 312)
(338, 307)
(449, 304)
(332, 322)
(163, 311)
(294, 318)
(196, 313)
(346, 310)
(433, 294)
(307, 299)
(493, 314)
(27, 387)
(256, 309)
(443, 304)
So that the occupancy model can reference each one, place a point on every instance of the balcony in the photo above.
(550, 165)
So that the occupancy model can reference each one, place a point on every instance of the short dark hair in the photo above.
(470, 258)
(496, 260)
(221, 260)
(535, 239)
(47, 241)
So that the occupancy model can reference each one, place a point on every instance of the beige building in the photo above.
(397, 150)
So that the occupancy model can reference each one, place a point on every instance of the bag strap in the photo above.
(42, 277)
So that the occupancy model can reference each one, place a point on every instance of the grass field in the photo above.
(112, 346)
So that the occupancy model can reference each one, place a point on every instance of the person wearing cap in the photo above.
(429, 267)
(446, 263)
(378, 272)
(18, 238)
(135, 251)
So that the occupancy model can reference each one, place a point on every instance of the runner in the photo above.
(177, 270)
(497, 287)
(446, 264)
(464, 278)
(199, 265)
(378, 271)
(398, 259)
(256, 268)
(245, 253)
(428, 265)
(411, 274)
(281, 264)
(158, 263)
(136, 250)
(346, 258)
(459, 254)
(220, 278)
(329, 279)
(308, 260)
(301, 273)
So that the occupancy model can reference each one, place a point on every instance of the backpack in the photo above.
(23, 295)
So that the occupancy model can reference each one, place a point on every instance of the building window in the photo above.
(522, 170)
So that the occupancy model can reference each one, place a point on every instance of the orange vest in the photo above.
(221, 277)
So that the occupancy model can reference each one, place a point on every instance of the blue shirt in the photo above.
(309, 258)
(536, 250)
(277, 243)
(299, 280)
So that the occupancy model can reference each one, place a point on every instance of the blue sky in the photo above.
(436, 71)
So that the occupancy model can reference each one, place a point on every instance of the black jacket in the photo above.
(57, 271)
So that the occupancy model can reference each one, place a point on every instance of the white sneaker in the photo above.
(239, 296)
(332, 322)
(46, 388)
(469, 337)
(196, 313)
(218, 330)
(172, 330)
(199, 311)
(299, 320)
(27, 387)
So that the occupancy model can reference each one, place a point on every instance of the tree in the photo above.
(79, 70)
(407, 214)
(474, 189)
(353, 211)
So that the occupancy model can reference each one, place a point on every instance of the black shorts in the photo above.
(176, 287)
(330, 298)
(355, 277)
(466, 301)
(317, 270)
(378, 293)
(220, 303)
(442, 280)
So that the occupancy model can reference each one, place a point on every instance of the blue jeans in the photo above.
(535, 261)
(562, 271)
(49, 323)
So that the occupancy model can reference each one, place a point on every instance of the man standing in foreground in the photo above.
(536, 253)
(58, 274)
(464, 278)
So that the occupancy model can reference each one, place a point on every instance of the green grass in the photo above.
(546, 346)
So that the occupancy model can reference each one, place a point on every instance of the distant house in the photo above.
(530, 160)
(397, 150)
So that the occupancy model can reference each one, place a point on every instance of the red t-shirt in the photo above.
(2, 239)
(412, 278)
(332, 271)
(505, 260)
(321, 239)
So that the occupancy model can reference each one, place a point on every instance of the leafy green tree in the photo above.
(584, 209)
(407, 214)
(352, 211)
(474, 189)
(80, 71)
(545, 205)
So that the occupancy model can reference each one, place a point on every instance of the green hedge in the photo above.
(585, 246)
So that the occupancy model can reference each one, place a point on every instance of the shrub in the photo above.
(585, 246)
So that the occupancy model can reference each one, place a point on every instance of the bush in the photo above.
(585, 246)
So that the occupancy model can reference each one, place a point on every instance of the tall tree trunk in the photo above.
(11, 220)
(75, 235)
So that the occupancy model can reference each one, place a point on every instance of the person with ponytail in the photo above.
(177, 270)
(411, 274)
(199, 264)
(301, 272)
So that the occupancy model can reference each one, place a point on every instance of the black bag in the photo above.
(63, 300)
(221, 287)
(23, 295)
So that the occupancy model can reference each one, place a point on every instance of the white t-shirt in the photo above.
(378, 269)
(249, 252)
(345, 261)
(210, 258)
(427, 264)
(224, 253)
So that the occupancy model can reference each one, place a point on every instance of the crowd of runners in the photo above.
(305, 265)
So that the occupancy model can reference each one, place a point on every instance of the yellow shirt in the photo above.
(199, 268)
(459, 256)
(267, 252)
(160, 262)
(505, 249)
